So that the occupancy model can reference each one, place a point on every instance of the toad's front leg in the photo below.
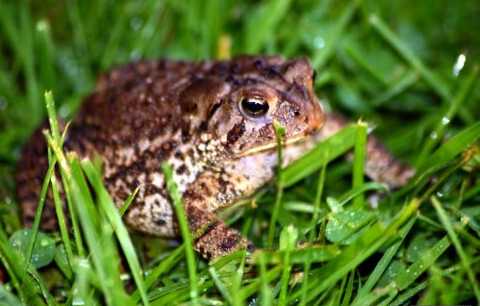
(212, 237)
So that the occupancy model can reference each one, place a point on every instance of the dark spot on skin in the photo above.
(190, 108)
(160, 222)
(223, 185)
(166, 146)
(206, 189)
(250, 81)
(213, 109)
(235, 68)
(203, 126)
(273, 72)
(185, 135)
(229, 243)
(232, 80)
(235, 133)
(221, 68)
(178, 154)
(210, 227)
(266, 132)
(259, 64)
(182, 169)
(229, 79)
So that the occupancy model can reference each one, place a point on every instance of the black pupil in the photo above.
(254, 107)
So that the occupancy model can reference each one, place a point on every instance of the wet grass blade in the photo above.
(466, 88)
(359, 159)
(370, 241)
(322, 56)
(450, 149)
(109, 208)
(163, 267)
(335, 145)
(383, 263)
(465, 259)
(279, 134)
(431, 78)
(184, 230)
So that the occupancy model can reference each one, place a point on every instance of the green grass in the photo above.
(389, 63)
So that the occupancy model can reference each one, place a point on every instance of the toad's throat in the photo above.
(272, 145)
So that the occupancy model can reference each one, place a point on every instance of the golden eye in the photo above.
(254, 107)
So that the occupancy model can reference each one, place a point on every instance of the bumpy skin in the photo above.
(190, 114)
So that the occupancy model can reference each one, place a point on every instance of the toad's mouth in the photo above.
(273, 145)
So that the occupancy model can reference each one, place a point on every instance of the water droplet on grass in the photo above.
(459, 64)
(319, 42)
(136, 23)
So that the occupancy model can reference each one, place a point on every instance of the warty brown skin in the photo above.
(213, 122)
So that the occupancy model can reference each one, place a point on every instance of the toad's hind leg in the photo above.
(380, 164)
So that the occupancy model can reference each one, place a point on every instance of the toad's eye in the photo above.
(254, 107)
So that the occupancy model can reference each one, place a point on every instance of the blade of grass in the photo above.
(409, 79)
(237, 281)
(166, 265)
(253, 287)
(288, 240)
(432, 79)
(39, 211)
(106, 203)
(98, 238)
(30, 285)
(348, 290)
(46, 56)
(402, 298)
(321, 57)
(314, 253)
(370, 241)
(373, 297)
(221, 286)
(428, 258)
(466, 88)
(61, 220)
(335, 145)
(313, 232)
(55, 133)
(259, 27)
(449, 150)
(447, 224)
(279, 134)
(26, 32)
(4, 258)
(384, 262)
(359, 162)
(266, 292)
(184, 230)
(123, 209)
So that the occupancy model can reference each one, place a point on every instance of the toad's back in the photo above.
(129, 103)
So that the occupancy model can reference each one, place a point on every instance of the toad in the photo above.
(213, 122)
